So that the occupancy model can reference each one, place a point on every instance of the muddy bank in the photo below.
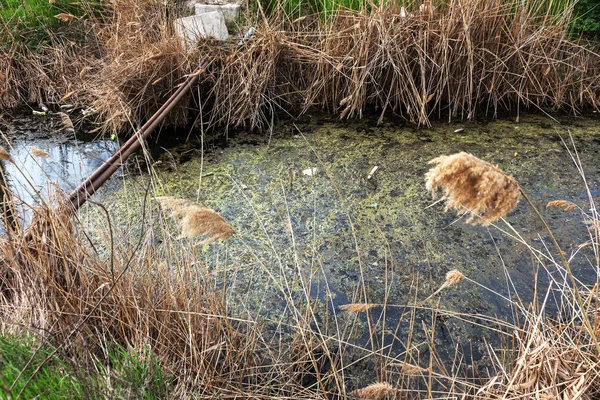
(311, 225)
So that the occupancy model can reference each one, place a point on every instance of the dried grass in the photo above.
(456, 60)
(473, 186)
(58, 288)
(553, 362)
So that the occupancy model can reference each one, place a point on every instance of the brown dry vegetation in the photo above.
(459, 60)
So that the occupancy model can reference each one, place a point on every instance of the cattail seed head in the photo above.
(357, 307)
(196, 220)
(453, 277)
(473, 186)
(376, 391)
(564, 204)
(4, 155)
(35, 152)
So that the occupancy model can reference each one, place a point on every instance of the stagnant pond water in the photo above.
(310, 223)
(34, 177)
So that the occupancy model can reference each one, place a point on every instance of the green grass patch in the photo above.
(38, 13)
(32, 22)
(55, 380)
(123, 374)
(134, 375)
(587, 17)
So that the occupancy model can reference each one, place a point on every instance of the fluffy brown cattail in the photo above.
(473, 186)
(67, 123)
(376, 391)
(564, 204)
(452, 278)
(35, 152)
(357, 307)
(4, 155)
(196, 220)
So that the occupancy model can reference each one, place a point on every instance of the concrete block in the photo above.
(230, 11)
(210, 24)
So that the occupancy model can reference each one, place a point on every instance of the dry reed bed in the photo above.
(470, 57)
(58, 287)
(456, 61)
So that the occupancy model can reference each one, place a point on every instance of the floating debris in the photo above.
(459, 130)
(357, 307)
(196, 220)
(310, 171)
(373, 170)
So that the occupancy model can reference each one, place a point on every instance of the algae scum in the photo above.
(311, 225)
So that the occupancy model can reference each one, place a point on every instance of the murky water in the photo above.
(311, 225)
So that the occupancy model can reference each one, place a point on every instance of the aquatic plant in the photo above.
(473, 186)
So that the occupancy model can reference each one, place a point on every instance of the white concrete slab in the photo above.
(209, 24)
(230, 11)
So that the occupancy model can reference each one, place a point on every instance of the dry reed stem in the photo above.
(196, 220)
(375, 391)
(552, 363)
(452, 278)
(410, 369)
(473, 186)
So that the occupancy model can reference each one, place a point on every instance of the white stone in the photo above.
(310, 171)
(210, 24)
(230, 11)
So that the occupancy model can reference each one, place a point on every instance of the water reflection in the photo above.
(31, 179)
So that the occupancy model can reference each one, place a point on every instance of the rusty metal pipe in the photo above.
(87, 188)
